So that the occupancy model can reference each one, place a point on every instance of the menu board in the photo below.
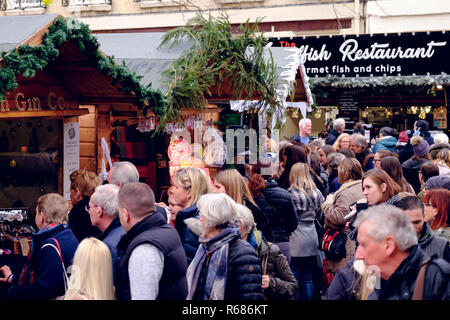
(348, 109)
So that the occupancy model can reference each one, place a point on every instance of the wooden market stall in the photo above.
(60, 94)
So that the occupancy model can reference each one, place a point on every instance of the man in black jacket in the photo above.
(153, 262)
(338, 128)
(388, 245)
(428, 241)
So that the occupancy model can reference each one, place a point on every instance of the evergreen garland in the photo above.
(217, 57)
(370, 82)
(27, 60)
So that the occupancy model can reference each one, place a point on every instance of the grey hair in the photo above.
(124, 172)
(338, 123)
(334, 159)
(359, 140)
(105, 196)
(217, 209)
(388, 220)
(245, 217)
(303, 122)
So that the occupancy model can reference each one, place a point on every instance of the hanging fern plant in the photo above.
(219, 60)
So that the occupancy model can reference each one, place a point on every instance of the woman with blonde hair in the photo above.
(304, 241)
(443, 162)
(83, 184)
(278, 281)
(233, 184)
(342, 142)
(91, 277)
(188, 184)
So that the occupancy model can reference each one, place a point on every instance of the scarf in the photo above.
(217, 250)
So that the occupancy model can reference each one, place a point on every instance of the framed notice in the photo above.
(71, 153)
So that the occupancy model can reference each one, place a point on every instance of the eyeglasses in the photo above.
(87, 207)
(427, 204)
(376, 160)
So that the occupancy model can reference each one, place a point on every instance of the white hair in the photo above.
(124, 172)
(217, 209)
(245, 217)
(388, 220)
(105, 196)
(440, 138)
(302, 122)
(338, 123)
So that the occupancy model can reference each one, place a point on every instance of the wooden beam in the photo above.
(57, 114)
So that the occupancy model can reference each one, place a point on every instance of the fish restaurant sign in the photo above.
(378, 55)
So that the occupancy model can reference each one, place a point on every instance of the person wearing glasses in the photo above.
(428, 241)
(104, 215)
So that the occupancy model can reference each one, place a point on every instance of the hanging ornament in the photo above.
(422, 115)
(317, 113)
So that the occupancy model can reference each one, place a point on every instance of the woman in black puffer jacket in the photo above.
(278, 281)
(225, 267)
(277, 205)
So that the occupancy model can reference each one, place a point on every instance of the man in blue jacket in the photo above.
(52, 251)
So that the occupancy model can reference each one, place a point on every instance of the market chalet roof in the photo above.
(72, 68)
(141, 54)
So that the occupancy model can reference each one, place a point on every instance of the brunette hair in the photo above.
(349, 169)
(394, 169)
(428, 170)
(84, 181)
(293, 154)
(439, 199)
(386, 153)
(379, 176)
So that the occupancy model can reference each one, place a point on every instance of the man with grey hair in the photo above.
(123, 172)
(388, 244)
(338, 128)
(105, 216)
(358, 144)
(304, 127)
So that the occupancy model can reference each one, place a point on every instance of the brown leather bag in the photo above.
(420, 281)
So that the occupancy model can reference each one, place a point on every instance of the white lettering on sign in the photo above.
(310, 54)
(350, 51)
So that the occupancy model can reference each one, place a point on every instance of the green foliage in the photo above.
(372, 82)
(27, 60)
(218, 57)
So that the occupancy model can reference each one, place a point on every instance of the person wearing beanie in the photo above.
(403, 147)
(438, 182)
(440, 142)
(411, 167)
(387, 140)
(423, 127)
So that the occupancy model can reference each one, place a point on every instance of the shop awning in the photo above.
(79, 68)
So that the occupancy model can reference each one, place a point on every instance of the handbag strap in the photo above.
(58, 250)
(420, 281)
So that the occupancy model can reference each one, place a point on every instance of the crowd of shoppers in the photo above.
(337, 215)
